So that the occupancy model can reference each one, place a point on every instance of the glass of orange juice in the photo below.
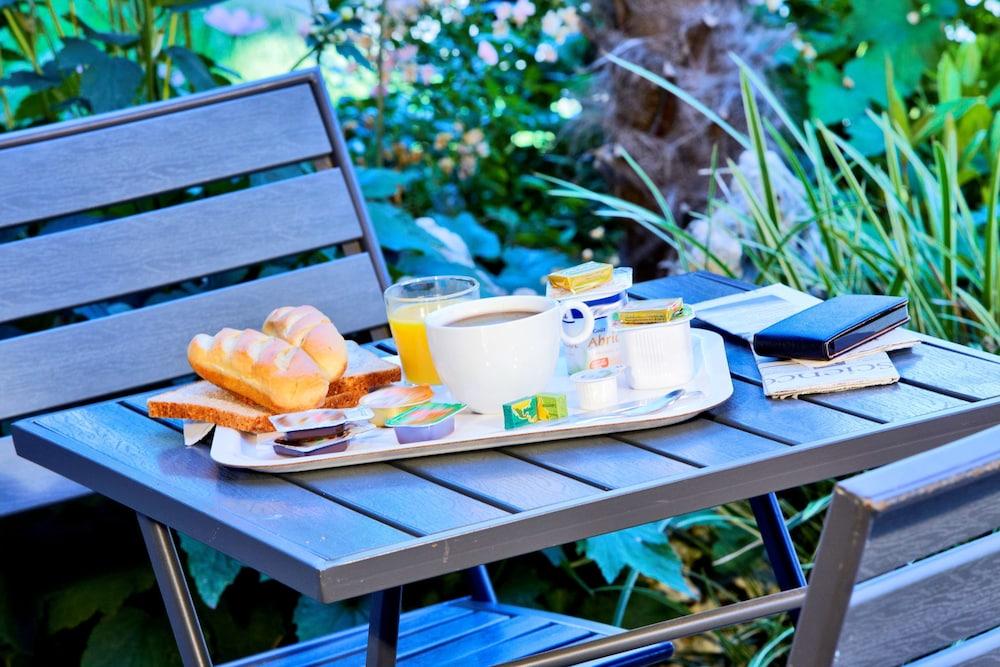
(407, 303)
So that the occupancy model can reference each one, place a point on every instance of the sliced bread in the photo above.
(203, 401)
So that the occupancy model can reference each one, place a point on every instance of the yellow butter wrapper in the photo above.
(582, 276)
(651, 311)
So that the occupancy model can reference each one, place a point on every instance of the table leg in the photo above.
(383, 627)
(482, 587)
(777, 542)
(174, 589)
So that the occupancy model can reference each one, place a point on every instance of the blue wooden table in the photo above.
(339, 533)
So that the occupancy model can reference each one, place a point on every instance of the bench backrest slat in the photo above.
(185, 152)
(156, 149)
(909, 561)
(141, 347)
(177, 243)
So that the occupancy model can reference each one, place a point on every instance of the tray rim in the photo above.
(708, 339)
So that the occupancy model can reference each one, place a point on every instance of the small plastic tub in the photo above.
(658, 355)
(596, 388)
(391, 401)
(430, 421)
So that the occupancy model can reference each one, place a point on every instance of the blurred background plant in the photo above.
(867, 165)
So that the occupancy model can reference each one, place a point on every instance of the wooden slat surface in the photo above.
(170, 245)
(88, 169)
(502, 480)
(601, 461)
(910, 532)
(790, 420)
(141, 347)
(701, 442)
(269, 507)
(884, 404)
(927, 606)
(399, 497)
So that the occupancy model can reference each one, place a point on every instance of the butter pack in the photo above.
(582, 277)
(651, 311)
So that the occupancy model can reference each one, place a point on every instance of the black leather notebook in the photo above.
(832, 328)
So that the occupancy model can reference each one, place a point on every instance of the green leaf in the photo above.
(130, 638)
(397, 231)
(119, 39)
(481, 241)
(211, 570)
(314, 619)
(949, 80)
(527, 267)
(110, 84)
(192, 66)
(378, 183)
(32, 80)
(74, 605)
(969, 61)
(78, 52)
(829, 100)
(643, 548)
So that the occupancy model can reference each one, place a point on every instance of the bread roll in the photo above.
(306, 327)
(262, 368)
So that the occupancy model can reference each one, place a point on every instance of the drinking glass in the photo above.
(407, 303)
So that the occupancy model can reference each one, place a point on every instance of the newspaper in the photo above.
(747, 313)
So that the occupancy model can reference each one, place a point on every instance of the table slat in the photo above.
(499, 479)
(883, 404)
(399, 498)
(961, 375)
(702, 442)
(789, 420)
(605, 462)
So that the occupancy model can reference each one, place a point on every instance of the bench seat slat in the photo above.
(169, 245)
(141, 347)
(159, 151)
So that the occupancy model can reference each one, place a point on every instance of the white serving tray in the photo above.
(473, 431)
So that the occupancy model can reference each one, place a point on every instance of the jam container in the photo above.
(391, 401)
(429, 421)
(658, 355)
(318, 423)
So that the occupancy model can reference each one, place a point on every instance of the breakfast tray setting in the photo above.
(710, 386)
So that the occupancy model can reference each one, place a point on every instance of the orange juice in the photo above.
(410, 334)
(408, 302)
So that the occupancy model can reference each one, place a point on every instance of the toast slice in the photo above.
(205, 402)
(365, 371)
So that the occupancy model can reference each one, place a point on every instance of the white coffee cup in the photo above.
(487, 365)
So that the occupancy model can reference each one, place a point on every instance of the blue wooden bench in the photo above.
(151, 171)
(907, 571)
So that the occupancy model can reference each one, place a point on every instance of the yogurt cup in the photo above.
(658, 356)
